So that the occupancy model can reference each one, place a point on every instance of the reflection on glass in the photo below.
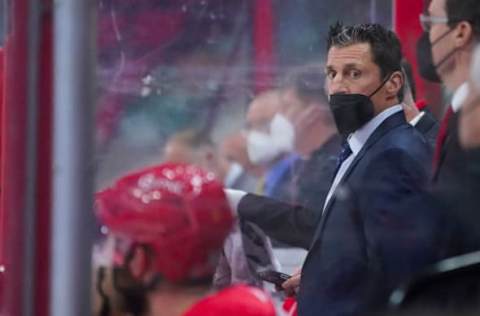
(169, 66)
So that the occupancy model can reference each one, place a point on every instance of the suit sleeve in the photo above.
(459, 199)
(400, 238)
(291, 224)
(407, 230)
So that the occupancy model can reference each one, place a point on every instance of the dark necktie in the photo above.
(441, 138)
(344, 154)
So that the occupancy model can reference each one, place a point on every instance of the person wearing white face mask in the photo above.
(265, 147)
(270, 143)
(305, 105)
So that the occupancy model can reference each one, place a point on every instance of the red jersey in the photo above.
(239, 300)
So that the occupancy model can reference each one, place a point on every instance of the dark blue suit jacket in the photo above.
(363, 245)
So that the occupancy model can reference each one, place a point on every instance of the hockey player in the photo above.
(166, 225)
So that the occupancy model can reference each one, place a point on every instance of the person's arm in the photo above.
(291, 224)
(399, 225)
(287, 223)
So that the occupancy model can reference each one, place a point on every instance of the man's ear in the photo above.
(394, 84)
(463, 34)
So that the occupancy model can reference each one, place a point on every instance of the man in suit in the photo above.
(446, 50)
(451, 29)
(450, 287)
(357, 253)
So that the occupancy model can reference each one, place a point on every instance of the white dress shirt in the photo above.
(417, 118)
(233, 198)
(356, 141)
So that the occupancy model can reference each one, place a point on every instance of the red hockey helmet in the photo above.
(240, 300)
(179, 210)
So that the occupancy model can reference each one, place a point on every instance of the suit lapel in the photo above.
(390, 123)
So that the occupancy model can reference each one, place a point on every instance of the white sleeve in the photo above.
(234, 197)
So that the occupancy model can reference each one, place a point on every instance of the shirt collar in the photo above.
(417, 118)
(460, 96)
(360, 136)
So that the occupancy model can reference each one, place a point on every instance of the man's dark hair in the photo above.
(309, 84)
(464, 10)
(385, 46)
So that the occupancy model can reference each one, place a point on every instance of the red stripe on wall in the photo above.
(264, 52)
(44, 162)
(13, 161)
(13, 155)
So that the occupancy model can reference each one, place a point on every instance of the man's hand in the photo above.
(292, 285)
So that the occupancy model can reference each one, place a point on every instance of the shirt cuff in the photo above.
(234, 197)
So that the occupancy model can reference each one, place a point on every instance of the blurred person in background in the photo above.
(451, 28)
(445, 51)
(246, 248)
(310, 153)
(166, 226)
(193, 147)
(451, 286)
(316, 144)
(269, 145)
(415, 111)
(316, 141)
(239, 172)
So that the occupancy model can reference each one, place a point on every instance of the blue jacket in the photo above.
(362, 246)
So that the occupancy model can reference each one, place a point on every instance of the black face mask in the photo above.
(428, 70)
(352, 111)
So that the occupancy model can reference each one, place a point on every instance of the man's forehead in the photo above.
(352, 54)
(264, 106)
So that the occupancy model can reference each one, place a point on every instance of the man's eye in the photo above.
(355, 74)
(331, 75)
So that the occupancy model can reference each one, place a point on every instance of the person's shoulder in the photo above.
(235, 300)
(406, 138)
(402, 146)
